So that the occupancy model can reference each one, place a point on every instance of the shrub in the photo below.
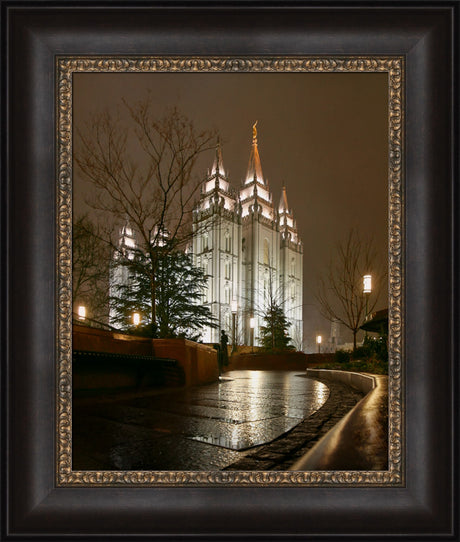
(342, 356)
(376, 347)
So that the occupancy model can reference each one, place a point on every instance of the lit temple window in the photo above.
(228, 242)
(227, 270)
(266, 252)
(205, 241)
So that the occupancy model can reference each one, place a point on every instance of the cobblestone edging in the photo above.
(283, 452)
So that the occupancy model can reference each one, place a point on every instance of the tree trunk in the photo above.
(355, 331)
(153, 301)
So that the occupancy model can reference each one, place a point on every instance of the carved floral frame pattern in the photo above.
(65, 68)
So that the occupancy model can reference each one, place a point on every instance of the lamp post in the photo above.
(318, 342)
(136, 318)
(367, 289)
(81, 312)
(252, 325)
(234, 311)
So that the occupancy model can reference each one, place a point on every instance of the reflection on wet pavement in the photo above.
(202, 428)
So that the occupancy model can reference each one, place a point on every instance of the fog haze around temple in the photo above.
(322, 136)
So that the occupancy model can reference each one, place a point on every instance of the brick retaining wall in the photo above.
(199, 362)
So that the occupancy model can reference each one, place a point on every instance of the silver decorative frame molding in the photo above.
(65, 68)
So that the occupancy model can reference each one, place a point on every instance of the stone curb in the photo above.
(360, 440)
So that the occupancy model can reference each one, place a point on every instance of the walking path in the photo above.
(284, 451)
(250, 420)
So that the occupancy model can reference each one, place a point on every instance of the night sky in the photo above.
(323, 136)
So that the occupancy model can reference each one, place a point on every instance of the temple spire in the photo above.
(218, 165)
(254, 166)
(283, 206)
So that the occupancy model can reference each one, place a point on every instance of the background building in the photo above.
(250, 250)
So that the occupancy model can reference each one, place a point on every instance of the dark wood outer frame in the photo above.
(33, 506)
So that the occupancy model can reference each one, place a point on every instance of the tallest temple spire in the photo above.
(254, 167)
(255, 196)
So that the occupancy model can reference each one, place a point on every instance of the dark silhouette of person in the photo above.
(223, 349)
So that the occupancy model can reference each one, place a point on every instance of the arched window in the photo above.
(206, 292)
(266, 286)
(293, 266)
(205, 242)
(266, 252)
(227, 294)
(228, 242)
(227, 270)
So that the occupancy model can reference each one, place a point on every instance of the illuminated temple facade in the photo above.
(251, 251)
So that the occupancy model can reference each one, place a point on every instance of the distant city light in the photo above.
(81, 312)
(367, 284)
(136, 318)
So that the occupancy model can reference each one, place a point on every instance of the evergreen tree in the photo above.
(179, 288)
(273, 334)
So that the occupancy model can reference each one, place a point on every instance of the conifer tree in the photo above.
(179, 290)
(273, 334)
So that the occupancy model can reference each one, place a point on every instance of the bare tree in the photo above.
(297, 339)
(143, 173)
(340, 291)
(271, 309)
(90, 268)
(274, 332)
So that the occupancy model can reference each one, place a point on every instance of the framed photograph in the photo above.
(129, 130)
(245, 250)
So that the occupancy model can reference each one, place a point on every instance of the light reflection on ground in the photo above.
(202, 428)
(259, 406)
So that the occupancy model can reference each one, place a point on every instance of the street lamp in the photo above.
(234, 308)
(367, 289)
(136, 318)
(252, 325)
(318, 342)
(367, 284)
(81, 312)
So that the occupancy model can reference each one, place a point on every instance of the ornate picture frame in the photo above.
(66, 68)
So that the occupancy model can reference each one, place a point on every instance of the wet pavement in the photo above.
(204, 428)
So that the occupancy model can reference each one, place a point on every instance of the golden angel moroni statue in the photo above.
(254, 131)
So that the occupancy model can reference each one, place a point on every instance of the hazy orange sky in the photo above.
(324, 136)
